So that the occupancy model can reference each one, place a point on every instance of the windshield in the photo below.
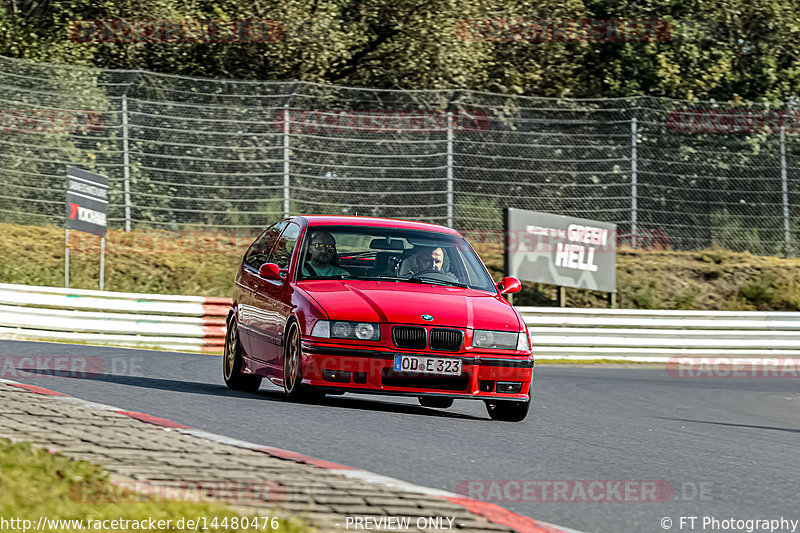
(362, 252)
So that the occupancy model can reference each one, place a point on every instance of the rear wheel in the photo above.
(232, 363)
(435, 401)
(508, 410)
(293, 369)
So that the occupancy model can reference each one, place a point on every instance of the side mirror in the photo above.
(509, 285)
(270, 271)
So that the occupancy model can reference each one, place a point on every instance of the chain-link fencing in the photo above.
(186, 153)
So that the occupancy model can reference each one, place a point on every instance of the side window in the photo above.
(258, 254)
(282, 254)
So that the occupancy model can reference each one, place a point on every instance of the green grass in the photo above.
(36, 483)
(204, 263)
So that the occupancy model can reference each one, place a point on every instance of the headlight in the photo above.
(341, 330)
(498, 340)
(366, 331)
(337, 329)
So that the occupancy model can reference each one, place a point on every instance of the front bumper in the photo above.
(484, 376)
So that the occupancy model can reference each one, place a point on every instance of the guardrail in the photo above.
(185, 323)
(195, 323)
(653, 335)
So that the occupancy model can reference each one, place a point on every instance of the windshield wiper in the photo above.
(414, 279)
(437, 281)
(379, 278)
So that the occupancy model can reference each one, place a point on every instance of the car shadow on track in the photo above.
(363, 404)
(213, 389)
(140, 381)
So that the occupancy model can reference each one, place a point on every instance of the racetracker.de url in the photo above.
(202, 523)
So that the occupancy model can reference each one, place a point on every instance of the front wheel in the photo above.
(508, 410)
(293, 369)
(232, 363)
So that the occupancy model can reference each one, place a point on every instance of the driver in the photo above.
(323, 251)
(430, 260)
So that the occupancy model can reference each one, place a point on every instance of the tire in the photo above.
(232, 363)
(508, 410)
(435, 401)
(293, 369)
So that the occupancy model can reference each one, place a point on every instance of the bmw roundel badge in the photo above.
(427, 317)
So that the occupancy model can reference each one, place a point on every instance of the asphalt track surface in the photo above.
(736, 440)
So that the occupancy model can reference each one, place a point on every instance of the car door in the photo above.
(258, 254)
(272, 298)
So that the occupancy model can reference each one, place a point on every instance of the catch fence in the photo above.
(187, 153)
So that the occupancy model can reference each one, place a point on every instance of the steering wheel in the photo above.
(413, 274)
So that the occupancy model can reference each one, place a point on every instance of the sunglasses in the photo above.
(321, 245)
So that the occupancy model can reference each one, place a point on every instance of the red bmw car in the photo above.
(334, 304)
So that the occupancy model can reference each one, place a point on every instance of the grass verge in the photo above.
(203, 263)
(35, 483)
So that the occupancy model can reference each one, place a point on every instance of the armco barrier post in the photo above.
(634, 177)
(286, 177)
(787, 251)
(449, 169)
(126, 164)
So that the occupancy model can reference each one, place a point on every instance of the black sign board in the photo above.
(87, 201)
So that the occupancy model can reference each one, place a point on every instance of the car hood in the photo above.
(405, 303)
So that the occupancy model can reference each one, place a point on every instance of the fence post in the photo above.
(785, 190)
(126, 164)
(634, 177)
(286, 128)
(449, 169)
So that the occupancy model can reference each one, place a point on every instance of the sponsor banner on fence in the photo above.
(87, 201)
(576, 253)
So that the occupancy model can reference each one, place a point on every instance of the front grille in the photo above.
(448, 340)
(412, 337)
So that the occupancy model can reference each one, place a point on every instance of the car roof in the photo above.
(343, 220)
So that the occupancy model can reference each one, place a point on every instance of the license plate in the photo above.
(427, 365)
